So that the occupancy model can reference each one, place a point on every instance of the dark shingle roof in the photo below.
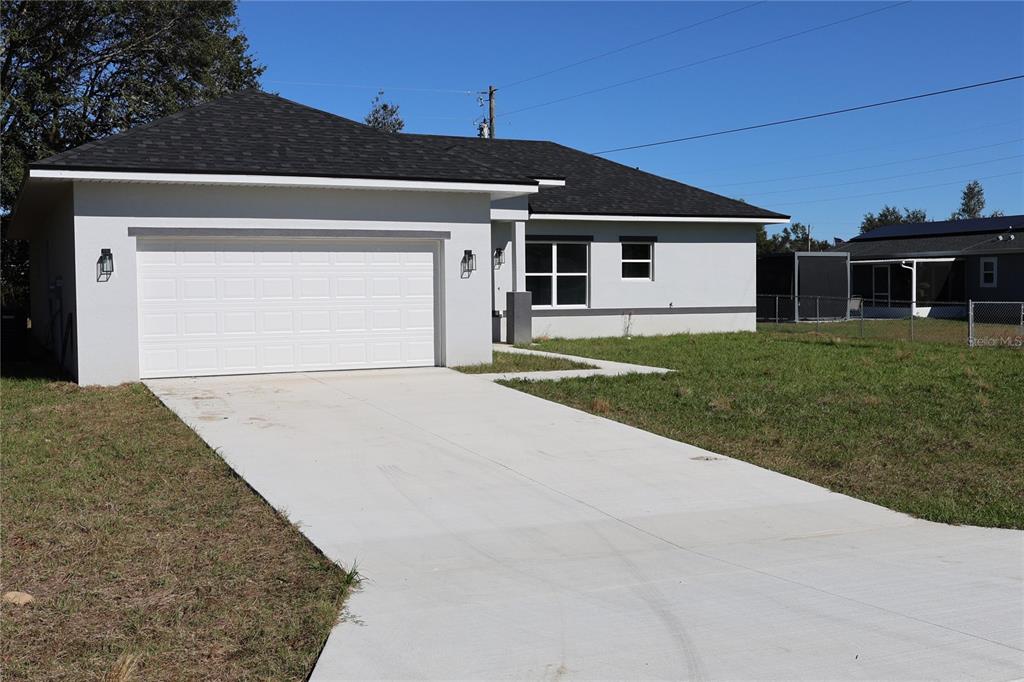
(255, 133)
(945, 227)
(934, 247)
(595, 185)
(976, 236)
(252, 132)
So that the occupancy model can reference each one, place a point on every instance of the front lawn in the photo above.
(930, 429)
(146, 556)
(521, 362)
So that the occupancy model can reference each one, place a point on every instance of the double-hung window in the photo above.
(556, 273)
(989, 272)
(638, 260)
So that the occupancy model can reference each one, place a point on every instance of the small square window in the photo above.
(989, 272)
(637, 260)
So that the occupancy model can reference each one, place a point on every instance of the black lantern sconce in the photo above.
(499, 257)
(468, 262)
(105, 265)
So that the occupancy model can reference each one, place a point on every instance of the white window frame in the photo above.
(995, 272)
(649, 260)
(554, 274)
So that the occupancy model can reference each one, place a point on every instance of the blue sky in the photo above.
(430, 57)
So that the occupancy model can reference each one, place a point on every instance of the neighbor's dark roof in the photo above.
(976, 236)
(945, 227)
(252, 132)
(594, 185)
(256, 133)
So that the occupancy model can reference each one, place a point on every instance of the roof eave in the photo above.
(646, 218)
(497, 188)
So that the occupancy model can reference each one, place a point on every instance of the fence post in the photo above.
(776, 311)
(817, 313)
(1022, 317)
(970, 324)
(862, 318)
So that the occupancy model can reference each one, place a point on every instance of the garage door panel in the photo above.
(220, 307)
(242, 322)
(200, 324)
(350, 320)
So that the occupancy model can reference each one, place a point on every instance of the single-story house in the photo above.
(934, 268)
(253, 234)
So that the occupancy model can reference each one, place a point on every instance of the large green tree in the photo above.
(72, 72)
(891, 215)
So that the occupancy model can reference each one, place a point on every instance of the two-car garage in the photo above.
(257, 305)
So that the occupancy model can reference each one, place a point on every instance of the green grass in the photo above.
(925, 329)
(519, 362)
(929, 429)
(147, 557)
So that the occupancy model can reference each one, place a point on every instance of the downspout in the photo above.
(913, 285)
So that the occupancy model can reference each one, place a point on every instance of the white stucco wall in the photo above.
(697, 267)
(107, 312)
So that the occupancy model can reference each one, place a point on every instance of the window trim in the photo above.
(554, 274)
(649, 260)
(982, 262)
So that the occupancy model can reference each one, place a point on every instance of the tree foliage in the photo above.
(789, 239)
(384, 115)
(72, 72)
(972, 203)
(891, 215)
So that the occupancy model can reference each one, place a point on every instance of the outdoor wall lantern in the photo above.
(105, 265)
(468, 261)
(499, 257)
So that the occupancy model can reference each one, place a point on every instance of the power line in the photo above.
(632, 45)
(776, 161)
(889, 177)
(372, 87)
(876, 165)
(905, 189)
(707, 59)
(808, 117)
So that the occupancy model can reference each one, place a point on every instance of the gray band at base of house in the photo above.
(588, 312)
(277, 233)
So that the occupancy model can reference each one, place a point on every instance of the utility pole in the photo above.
(490, 109)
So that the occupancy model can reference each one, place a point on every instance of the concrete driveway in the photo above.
(503, 536)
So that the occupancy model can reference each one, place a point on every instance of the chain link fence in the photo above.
(995, 323)
(971, 323)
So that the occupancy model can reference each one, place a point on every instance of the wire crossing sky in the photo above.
(610, 75)
(808, 117)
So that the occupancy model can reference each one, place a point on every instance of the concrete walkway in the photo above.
(602, 368)
(506, 537)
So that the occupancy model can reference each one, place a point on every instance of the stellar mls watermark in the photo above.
(1015, 341)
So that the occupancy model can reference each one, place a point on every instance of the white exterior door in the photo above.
(236, 306)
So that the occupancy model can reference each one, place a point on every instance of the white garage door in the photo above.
(243, 307)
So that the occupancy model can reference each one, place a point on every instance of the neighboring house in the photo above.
(253, 234)
(935, 268)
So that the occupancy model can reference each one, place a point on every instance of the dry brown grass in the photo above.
(147, 557)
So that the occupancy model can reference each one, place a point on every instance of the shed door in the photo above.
(234, 306)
